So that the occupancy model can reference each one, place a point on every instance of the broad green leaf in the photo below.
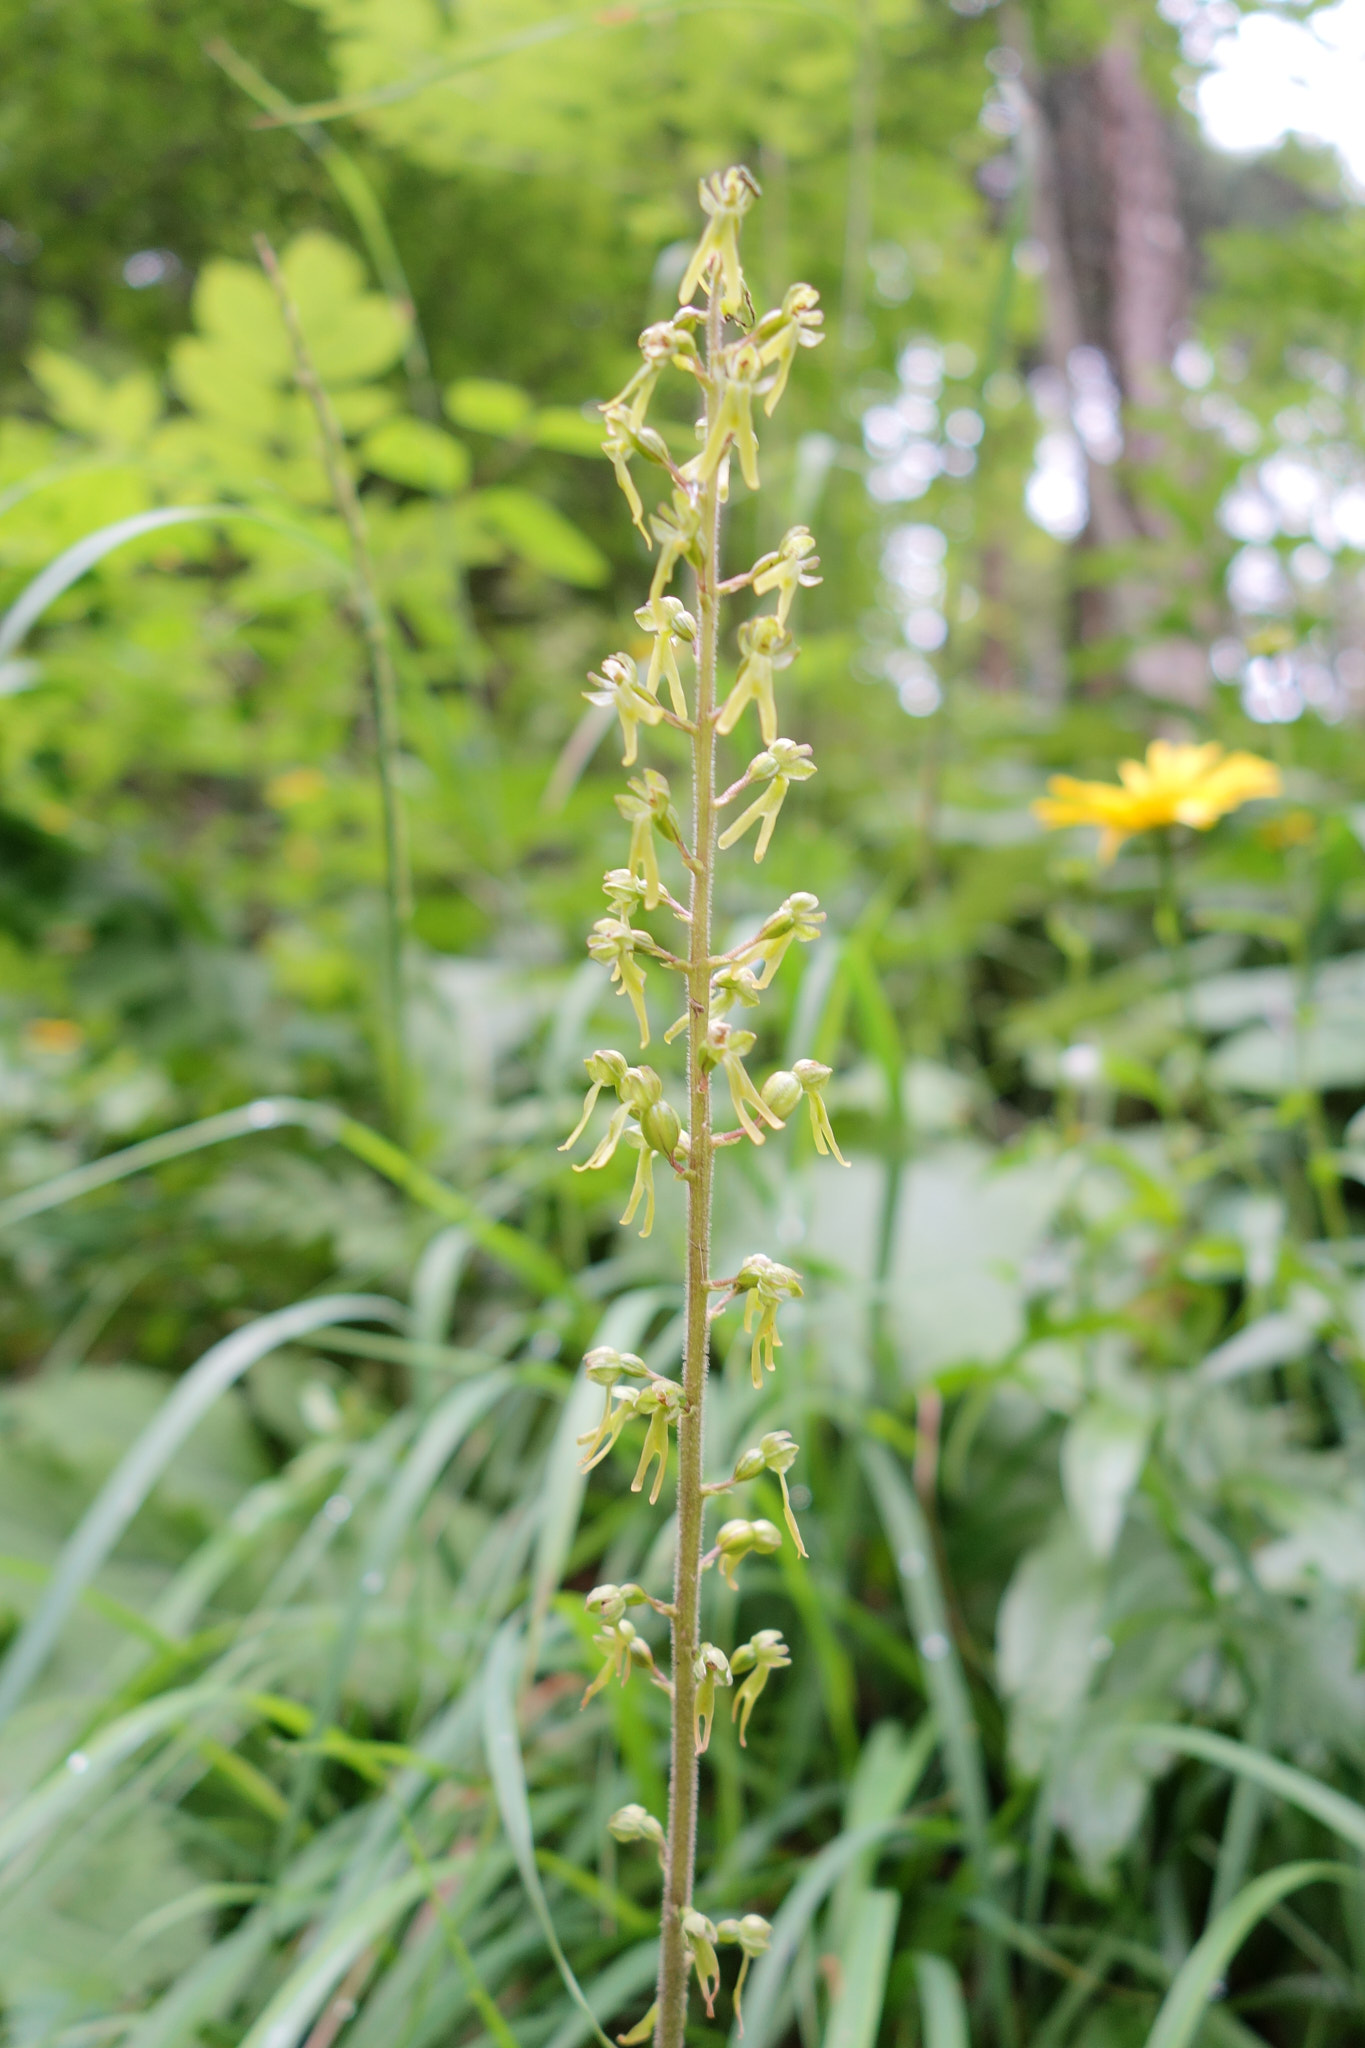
(415, 453)
(569, 432)
(234, 305)
(118, 414)
(542, 536)
(1048, 1623)
(1276, 1339)
(352, 333)
(484, 406)
(1103, 1453)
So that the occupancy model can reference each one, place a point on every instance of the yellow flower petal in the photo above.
(1174, 785)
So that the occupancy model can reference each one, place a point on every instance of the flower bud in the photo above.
(749, 1464)
(753, 1933)
(634, 1824)
(782, 1091)
(604, 1366)
(661, 1128)
(607, 1601)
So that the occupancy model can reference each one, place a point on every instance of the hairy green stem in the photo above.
(383, 689)
(674, 1960)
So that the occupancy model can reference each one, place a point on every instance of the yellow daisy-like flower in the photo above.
(1174, 786)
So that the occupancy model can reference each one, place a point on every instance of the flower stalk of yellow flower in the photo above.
(1175, 785)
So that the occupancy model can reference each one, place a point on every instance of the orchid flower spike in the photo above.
(701, 1938)
(665, 342)
(765, 646)
(796, 324)
(765, 1285)
(618, 445)
(753, 1934)
(677, 528)
(604, 1367)
(760, 1657)
(625, 1650)
(613, 942)
(782, 1091)
(623, 437)
(709, 1666)
(776, 1453)
(725, 1048)
(662, 1401)
(779, 766)
(620, 690)
(729, 985)
(726, 197)
(609, 1603)
(647, 807)
(799, 918)
(732, 420)
(625, 892)
(634, 1823)
(619, 1410)
(605, 1070)
(735, 1539)
(659, 1130)
(637, 1087)
(789, 568)
(672, 625)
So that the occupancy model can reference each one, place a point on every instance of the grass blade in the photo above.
(1186, 2003)
(943, 2009)
(74, 1780)
(509, 1247)
(300, 1998)
(442, 1435)
(865, 1959)
(913, 1551)
(502, 1747)
(1345, 1817)
(137, 1473)
(73, 562)
(772, 1973)
(912, 1547)
(630, 1976)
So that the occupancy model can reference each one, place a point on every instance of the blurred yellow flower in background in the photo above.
(1174, 786)
(53, 1035)
(294, 787)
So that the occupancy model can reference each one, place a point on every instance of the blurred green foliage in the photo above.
(1080, 1359)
